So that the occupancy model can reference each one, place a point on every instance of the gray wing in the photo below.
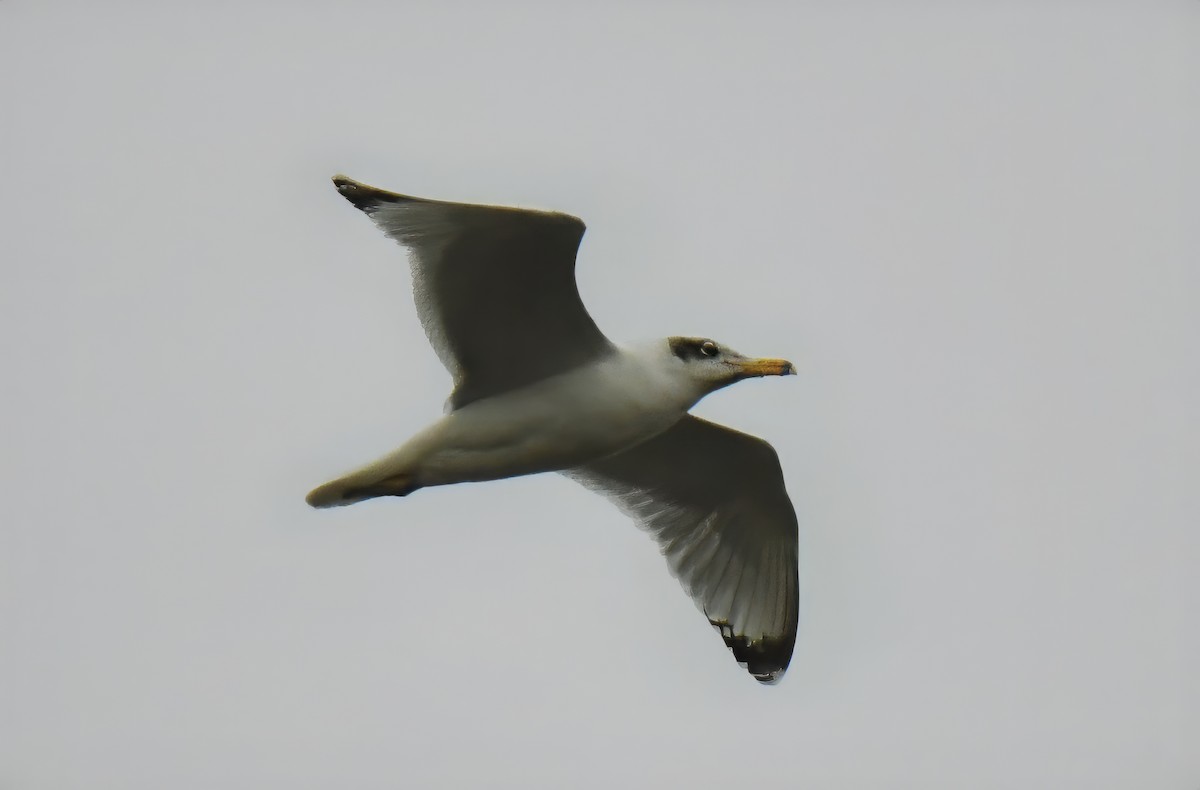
(714, 500)
(495, 288)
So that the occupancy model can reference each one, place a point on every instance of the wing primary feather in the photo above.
(714, 500)
(494, 286)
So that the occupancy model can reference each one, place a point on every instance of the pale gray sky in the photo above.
(972, 226)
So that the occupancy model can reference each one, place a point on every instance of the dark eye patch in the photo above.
(687, 348)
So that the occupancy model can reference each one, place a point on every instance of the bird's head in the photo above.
(712, 366)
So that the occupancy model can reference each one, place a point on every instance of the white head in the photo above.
(709, 366)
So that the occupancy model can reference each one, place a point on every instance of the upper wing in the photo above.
(714, 500)
(495, 288)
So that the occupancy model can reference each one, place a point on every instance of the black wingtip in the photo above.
(365, 198)
(765, 659)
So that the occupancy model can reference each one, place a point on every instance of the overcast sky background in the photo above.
(973, 227)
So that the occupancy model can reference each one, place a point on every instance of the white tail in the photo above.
(388, 476)
(350, 489)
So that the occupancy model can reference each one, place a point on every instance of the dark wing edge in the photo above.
(714, 500)
(494, 286)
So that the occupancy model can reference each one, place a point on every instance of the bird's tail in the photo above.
(385, 477)
(345, 491)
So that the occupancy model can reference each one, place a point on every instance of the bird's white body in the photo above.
(561, 422)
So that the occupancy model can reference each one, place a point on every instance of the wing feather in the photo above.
(494, 286)
(714, 500)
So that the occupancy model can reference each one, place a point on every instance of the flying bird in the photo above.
(538, 388)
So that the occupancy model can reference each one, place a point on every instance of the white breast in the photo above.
(555, 424)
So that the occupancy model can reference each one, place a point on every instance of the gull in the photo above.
(538, 388)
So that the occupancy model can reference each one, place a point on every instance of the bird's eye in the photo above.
(709, 348)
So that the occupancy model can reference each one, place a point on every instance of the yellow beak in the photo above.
(766, 367)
